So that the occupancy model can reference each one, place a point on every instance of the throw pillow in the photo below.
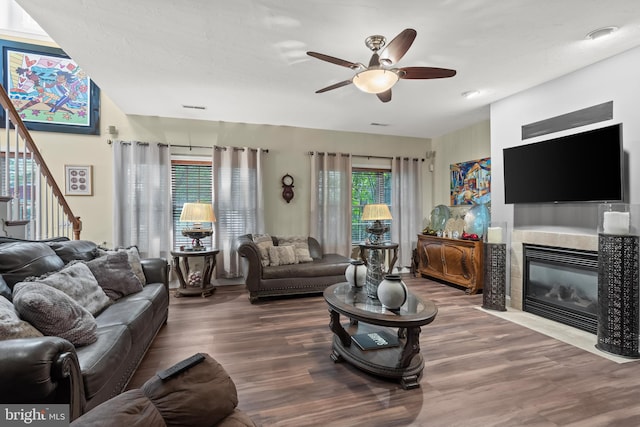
(54, 313)
(114, 275)
(282, 255)
(263, 242)
(77, 281)
(11, 326)
(301, 245)
(133, 256)
(5, 290)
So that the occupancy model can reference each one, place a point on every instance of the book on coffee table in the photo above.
(375, 340)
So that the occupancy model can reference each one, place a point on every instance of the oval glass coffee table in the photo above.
(393, 334)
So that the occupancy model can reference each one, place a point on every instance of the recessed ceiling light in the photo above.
(600, 32)
(470, 94)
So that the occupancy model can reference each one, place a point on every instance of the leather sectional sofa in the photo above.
(299, 278)
(50, 369)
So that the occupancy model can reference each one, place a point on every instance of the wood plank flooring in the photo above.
(480, 370)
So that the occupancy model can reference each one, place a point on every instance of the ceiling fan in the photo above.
(379, 76)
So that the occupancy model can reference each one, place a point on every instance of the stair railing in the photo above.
(26, 183)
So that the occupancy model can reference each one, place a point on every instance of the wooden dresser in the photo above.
(452, 260)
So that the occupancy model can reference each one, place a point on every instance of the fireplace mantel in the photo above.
(560, 239)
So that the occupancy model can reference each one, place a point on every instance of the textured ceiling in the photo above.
(245, 61)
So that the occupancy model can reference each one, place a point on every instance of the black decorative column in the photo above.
(495, 276)
(618, 295)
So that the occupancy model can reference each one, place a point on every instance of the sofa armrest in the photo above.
(41, 370)
(156, 270)
(251, 261)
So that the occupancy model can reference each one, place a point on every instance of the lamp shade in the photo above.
(197, 212)
(375, 80)
(376, 212)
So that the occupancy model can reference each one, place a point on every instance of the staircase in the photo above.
(31, 203)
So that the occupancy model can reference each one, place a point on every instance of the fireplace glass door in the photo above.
(562, 285)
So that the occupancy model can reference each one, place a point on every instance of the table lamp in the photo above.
(376, 213)
(197, 213)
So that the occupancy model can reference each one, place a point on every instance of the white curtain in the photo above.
(406, 206)
(142, 197)
(330, 220)
(238, 202)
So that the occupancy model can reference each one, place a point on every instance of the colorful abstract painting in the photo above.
(48, 89)
(471, 182)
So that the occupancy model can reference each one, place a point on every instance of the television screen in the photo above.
(586, 166)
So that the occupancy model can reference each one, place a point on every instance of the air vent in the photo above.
(379, 124)
(194, 107)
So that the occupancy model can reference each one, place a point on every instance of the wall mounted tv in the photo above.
(586, 166)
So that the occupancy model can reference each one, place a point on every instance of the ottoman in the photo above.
(200, 395)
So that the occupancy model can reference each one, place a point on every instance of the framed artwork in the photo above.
(78, 180)
(471, 182)
(48, 89)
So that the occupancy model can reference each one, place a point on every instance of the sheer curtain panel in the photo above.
(142, 197)
(237, 202)
(330, 220)
(406, 206)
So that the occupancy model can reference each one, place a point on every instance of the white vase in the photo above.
(356, 273)
(392, 292)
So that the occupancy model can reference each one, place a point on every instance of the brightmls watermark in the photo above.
(34, 415)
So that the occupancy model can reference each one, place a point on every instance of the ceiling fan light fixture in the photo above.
(375, 80)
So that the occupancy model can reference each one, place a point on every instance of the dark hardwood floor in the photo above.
(480, 370)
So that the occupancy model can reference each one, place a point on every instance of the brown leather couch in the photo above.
(202, 396)
(294, 279)
(50, 369)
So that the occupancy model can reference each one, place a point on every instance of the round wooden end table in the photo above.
(367, 316)
(206, 288)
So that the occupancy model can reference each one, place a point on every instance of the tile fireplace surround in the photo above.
(568, 240)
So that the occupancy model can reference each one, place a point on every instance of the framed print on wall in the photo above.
(78, 180)
(48, 89)
(470, 182)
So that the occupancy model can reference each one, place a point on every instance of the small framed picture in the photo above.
(78, 180)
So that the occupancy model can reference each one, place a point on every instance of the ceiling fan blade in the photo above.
(334, 60)
(385, 96)
(425, 73)
(334, 86)
(396, 49)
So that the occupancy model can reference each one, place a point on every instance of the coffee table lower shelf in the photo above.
(384, 362)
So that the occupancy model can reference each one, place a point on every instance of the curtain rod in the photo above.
(161, 144)
(311, 153)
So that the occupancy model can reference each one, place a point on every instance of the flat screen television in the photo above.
(583, 167)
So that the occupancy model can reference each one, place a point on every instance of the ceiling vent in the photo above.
(194, 107)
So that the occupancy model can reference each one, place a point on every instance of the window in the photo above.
(190, 182)
(23, 191)
(368, 186)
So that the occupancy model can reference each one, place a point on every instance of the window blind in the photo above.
(190, 182)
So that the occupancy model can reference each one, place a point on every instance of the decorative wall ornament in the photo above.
(287, 187)
(78, 180)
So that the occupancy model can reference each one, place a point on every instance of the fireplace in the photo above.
(561, 284)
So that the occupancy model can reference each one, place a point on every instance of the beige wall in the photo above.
(288, 153)
(470, 143)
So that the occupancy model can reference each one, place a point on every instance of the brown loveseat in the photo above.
(310, 277)
(51, 369)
